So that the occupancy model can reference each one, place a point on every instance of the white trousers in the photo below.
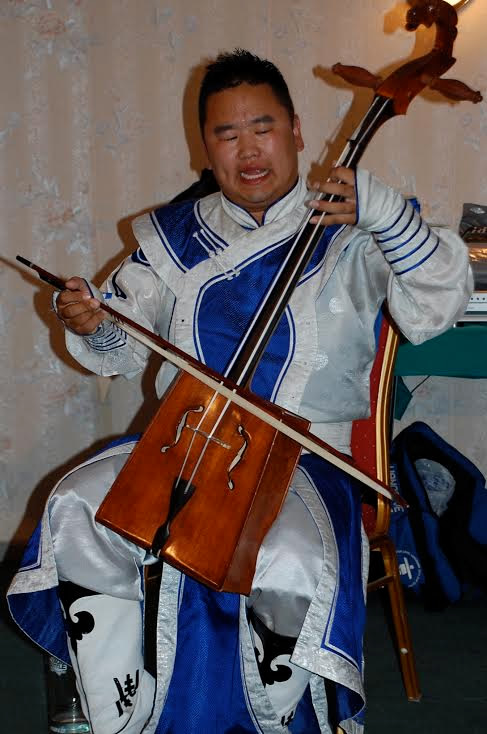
(108, 660)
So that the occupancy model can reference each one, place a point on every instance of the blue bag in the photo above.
(441, 539)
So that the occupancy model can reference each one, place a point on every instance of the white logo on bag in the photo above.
(409, 568)
(394, 483)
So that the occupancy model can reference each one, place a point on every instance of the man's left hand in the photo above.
(341, 183)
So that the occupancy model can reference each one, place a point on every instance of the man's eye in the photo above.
(262, 132)
(228, 138)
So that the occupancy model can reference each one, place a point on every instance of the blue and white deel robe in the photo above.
(198, 259)
(212, 311)
(208, 680)
(197, 625)
(216, 681)
(218, 270)
(198, 250)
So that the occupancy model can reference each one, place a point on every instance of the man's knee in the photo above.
(289, 568)
(87, 553)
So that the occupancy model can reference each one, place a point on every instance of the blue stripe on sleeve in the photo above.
(394, 236)
(408, 254)
(413, 267)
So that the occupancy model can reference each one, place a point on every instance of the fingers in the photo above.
(77, 284)
(341, 173)
(343, 209)
(77, 309)
(82, 317)
(334, 212)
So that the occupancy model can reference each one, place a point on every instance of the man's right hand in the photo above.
(76, 307)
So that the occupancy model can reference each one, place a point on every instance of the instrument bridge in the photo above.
(209, 437)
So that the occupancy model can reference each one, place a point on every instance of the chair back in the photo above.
(371, 436)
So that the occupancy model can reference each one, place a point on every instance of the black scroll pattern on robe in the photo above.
(273, 645)
(85, 622)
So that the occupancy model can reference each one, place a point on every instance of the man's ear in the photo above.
(298, 138)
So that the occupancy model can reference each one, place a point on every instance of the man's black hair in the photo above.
(239, 67)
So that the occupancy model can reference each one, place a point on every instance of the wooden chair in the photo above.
(370, 449)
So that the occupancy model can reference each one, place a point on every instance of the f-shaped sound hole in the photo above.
(180, 427)
(238, 456)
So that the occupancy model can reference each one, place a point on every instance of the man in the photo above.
(225, 664)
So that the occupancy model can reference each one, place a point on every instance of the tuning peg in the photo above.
(357, 75)
(454, 89)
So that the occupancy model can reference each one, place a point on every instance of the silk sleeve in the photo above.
(429, 280)
(138, 292)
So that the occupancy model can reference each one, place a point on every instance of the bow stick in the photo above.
(257, 406)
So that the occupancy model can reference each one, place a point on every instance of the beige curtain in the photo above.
(97, 122)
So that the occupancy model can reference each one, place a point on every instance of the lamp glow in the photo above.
(457, 4)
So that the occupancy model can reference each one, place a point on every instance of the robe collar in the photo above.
(277, 210)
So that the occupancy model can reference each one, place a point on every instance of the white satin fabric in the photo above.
(289, 567)
(289, 562)
(390, 255)
(116, 693)
(89, 554)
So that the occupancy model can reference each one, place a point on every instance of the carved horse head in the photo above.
(427, 12)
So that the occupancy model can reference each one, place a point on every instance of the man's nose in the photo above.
(248, 147)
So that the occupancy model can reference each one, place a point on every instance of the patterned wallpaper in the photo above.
(97, 123)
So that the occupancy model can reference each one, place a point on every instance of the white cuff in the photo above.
(404, 239)
(108, 336)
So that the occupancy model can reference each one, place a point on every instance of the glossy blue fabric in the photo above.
(226, 305)
(207, 694)
(39, 613)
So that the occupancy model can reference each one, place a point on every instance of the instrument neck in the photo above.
(252, 347)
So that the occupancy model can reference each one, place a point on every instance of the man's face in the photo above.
(252, 145)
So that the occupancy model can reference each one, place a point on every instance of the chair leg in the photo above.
(400, 620)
